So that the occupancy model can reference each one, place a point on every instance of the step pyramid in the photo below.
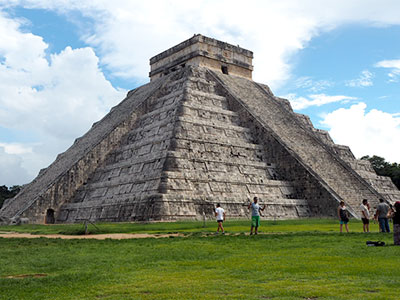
(200, 133)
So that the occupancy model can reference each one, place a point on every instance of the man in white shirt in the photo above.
(220, 214)
(365, 215)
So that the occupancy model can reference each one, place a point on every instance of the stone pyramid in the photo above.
(201, 132)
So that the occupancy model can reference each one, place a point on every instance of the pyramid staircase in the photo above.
(301, 146)
(187, 152)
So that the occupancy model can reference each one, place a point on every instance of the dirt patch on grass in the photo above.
(116, 236)
(22, 276)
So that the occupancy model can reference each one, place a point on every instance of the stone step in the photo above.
(160, 142)
(237, 178)
(131, 199)
(212, 151)
(186, 185)
(150, 132)
(137, 162)
(210, 114)
(217, 124)
(159, 113)
(123, 179)
(192, 144)
(231, 198)
(218, 161)
(167, 100)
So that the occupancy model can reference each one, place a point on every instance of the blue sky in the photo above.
(65, 63)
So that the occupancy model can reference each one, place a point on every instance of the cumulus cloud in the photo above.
(365, 79)
(393, 65)
(127, 32)
(15, 148)
(11, 170)
(53, 99)
(299, 103)
(366, 132)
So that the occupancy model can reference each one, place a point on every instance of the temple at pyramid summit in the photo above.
(200, 132)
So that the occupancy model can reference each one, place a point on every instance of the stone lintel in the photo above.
(205, 52)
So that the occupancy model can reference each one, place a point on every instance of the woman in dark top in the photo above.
(343, 216)
(395, 214)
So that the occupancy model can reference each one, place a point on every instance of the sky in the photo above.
(65, 63)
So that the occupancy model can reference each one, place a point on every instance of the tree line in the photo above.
(385, 168)
(6, 192)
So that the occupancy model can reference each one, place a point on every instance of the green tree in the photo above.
(6, 192)
(385, 168)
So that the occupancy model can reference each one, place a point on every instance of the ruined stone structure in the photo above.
(199, 133)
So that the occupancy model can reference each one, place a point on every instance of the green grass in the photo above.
(298, 259)
(232, 226)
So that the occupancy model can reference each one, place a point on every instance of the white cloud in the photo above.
(127, 33)
(11, 170)
(394, 65)
(52, 99)
(371, 132)
(15, 148)
(312, 85)
(365, 79)
(299, 103)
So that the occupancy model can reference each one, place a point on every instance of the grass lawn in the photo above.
(298, 259)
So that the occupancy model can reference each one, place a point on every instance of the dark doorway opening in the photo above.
(50, 216)
(224, 70)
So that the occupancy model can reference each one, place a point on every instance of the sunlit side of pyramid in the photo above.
(201, 132)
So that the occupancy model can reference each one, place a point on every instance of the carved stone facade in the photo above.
(195, 136)
(201, 51)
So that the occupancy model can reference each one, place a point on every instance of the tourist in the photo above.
(381, 213)
(255, 215)
(395, 214)
(365, 215)
(220, 214)
(343, 216)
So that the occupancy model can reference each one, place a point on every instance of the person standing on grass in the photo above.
(220, 214)
(343, 216)
(381, 213)
(365, 215)
(395, 214)
(255, 215)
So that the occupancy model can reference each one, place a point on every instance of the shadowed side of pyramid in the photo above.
(322, 169)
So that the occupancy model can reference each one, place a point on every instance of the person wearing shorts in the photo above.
(220, 214)
(365, 215)
(255, 215)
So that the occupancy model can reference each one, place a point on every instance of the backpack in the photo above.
(371, 243)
